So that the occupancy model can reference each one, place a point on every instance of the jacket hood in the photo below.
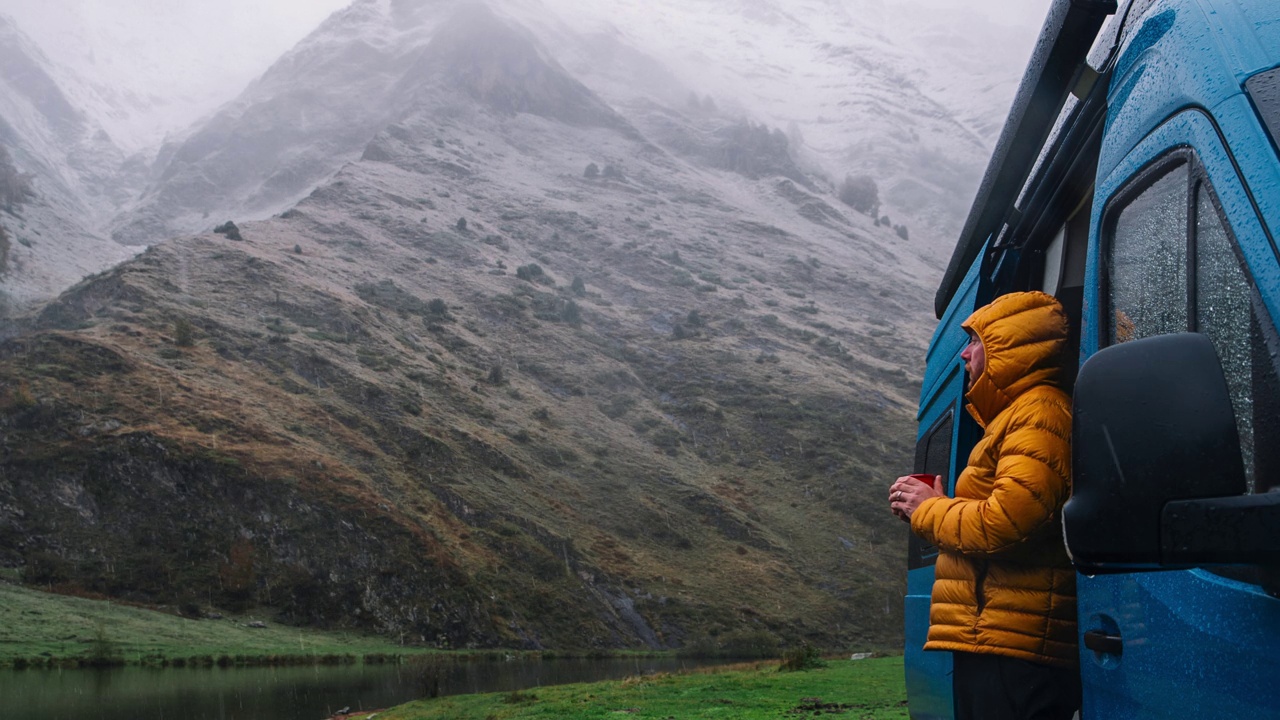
(1023, 335)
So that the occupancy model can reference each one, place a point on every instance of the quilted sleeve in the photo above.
(1031, 484)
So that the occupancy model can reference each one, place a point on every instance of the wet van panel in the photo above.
(1205, 642)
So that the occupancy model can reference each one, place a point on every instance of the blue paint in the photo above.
(1195, 644)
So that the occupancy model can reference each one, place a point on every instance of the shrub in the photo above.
(578, 287)
(103, 652)
(229, 230)
(531, 272)
(516, 697)
(438, 308)
(860, 193)
(592, 172)
(804, 657)
(901, 230)
(461, 225)
(496, 376)
(183, 333)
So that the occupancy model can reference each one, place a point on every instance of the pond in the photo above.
(288, 693)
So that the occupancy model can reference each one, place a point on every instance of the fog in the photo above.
(174, 61)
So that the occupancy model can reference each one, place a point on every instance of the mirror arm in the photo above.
(1241, 529)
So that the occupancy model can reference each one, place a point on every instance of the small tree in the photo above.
(860, 193)
(183, 334)
(902, 231)
(531, 272)
(578, 287)
(612, 172)
(438, 309)
(592, 172)
(461, 224)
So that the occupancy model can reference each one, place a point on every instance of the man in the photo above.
(1004, 597)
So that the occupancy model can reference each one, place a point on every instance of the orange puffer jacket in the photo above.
(1004, 584)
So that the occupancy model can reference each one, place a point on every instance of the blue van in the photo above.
(1137, 179)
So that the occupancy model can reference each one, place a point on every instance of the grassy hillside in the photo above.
(863, 688)
(38, 628)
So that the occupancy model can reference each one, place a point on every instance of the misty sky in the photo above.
(194, 54)
(1016, 12)
(225, 38)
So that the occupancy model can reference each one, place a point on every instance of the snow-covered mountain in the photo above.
(871, 86)
(472, 390)
(857, 86)
(865, 87)
(539, 347)
(79, 177)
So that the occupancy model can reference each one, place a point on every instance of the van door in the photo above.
(1177, 246)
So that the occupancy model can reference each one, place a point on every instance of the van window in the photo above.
(1227, 312)
(1146, 262)
(1053, 262)
(1172, 266)
(933, 456)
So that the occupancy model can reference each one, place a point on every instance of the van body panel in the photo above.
(1246, 32)
(1171, 62)
(1194, 644)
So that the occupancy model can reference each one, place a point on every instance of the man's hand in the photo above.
(906, 494)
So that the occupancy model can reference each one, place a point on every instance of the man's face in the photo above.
(975, 358)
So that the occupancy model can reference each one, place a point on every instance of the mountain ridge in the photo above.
(599, 451)
(489, 357)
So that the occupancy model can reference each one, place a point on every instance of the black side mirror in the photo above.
(1153, 424)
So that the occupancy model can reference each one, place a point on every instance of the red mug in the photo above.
(925, 478)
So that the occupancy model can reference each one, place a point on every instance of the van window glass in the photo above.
(1227, 314)
(933, 456)
(1264, 90)
(1147, 261)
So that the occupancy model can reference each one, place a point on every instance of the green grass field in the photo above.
(855, 689)
(41, 628)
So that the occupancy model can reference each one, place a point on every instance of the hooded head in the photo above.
(1023, 335)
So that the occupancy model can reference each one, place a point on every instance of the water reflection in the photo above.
(290, 693)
